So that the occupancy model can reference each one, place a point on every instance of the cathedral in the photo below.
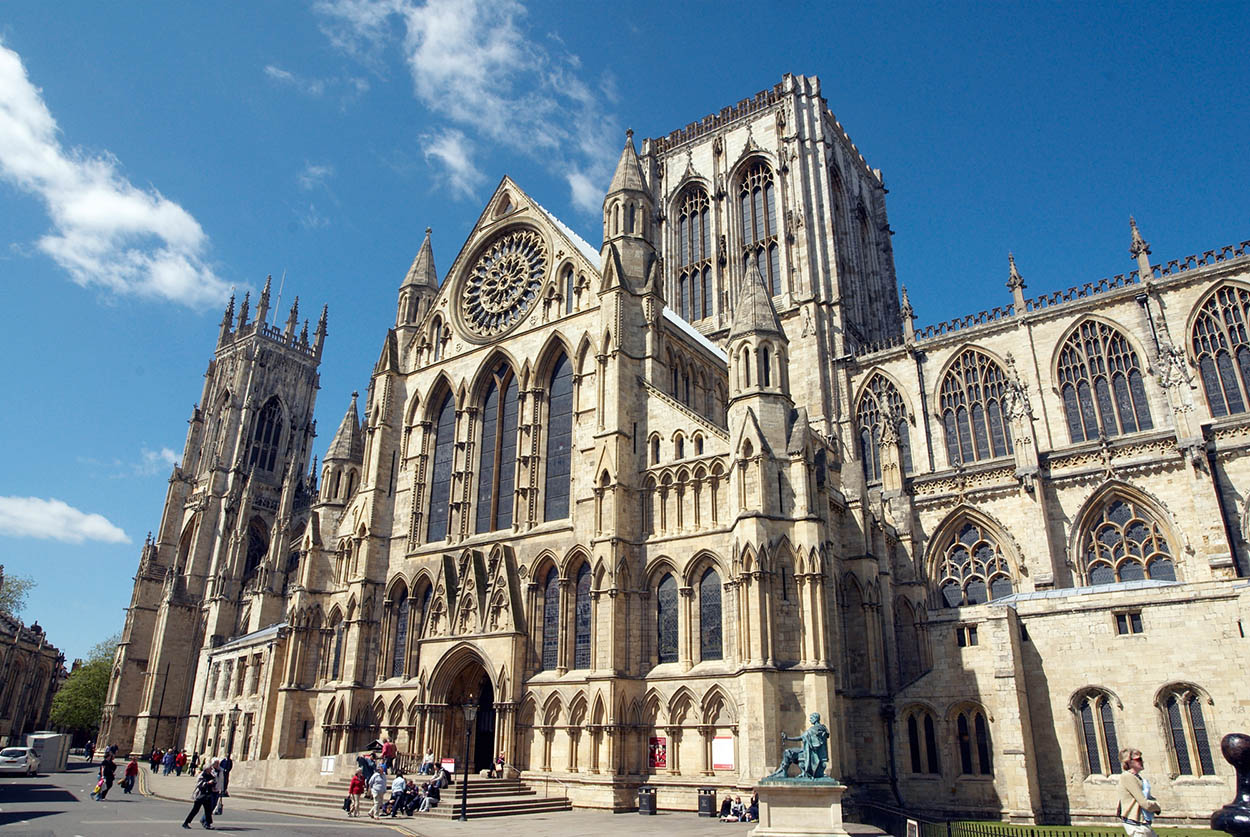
(646, 505)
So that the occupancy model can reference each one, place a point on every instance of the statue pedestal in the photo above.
(800, 808)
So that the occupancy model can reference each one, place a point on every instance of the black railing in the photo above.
(899, 823)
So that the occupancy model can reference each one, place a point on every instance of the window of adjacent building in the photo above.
(1100, 380)
(1098, 733)
(694, 255)
(971, 403)
(551, 620)
(757, 204)
(1125, 543)
(1188, 741)
(1222, 349)
(922, 743)
(975, 754)
(497, 465)
(710, 633)
(440, 468)
(267, 437)
(973, 569)
(666, 619)
(559, 441)
(581, 619)
(966, 635)
(880, 404)
(1128, 622)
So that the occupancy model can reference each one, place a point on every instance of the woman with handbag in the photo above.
(204, 796)
(108, 770)
(354, 790)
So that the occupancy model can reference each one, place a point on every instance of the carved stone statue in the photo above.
(812, 756)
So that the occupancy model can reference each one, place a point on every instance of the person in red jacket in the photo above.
(180, 761)
(388, 755)
(354, 790)
(132, 770)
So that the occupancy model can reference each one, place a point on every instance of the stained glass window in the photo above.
(913, 743)
(694, 254)
(440, 469)
(881, 403)
(257, 546)
(1187, 732)
(710, 633)
(551, 620)
(666, 619)
(930, 742)
(1222, 349)
(1124, 543)
(1101, 383)
(568, 290)
(336, 670)
(973, 569)
(424, 609)
(559, 441)
(984, 758)
(971, 404)
(497, 465)
(757, 203)
(1199, 727)
(1180, 746)
(965, 744)
(267, 437)
(401, 634)
(1108, 735)
(581, 619)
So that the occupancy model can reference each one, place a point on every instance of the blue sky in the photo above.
(154, 155)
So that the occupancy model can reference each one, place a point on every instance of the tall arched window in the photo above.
(666, 619)
(496, 473)
(400, 638)
(757, 205)
(559, 441)
(1188, 741)
(694, 254)
(257, 546)
(881, 403)
(971, 401)
(1221, 347)
(423, 609)
(1098, 733)
(551, 620)
(440, 468)
(711, 646)
(436, 339)
(972, 569)
(975, 754)
(568, 289)
(267, 437)
(581, 619)
(336, 665)
(1101, 382)
(1124, 543)
(922, 743)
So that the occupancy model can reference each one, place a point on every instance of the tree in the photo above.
(13, 592)
(79, 703)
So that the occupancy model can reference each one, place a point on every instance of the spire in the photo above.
(262, 307)
(1015, 282)
(908, 316)
(754, 312)
(319, 336)
(1140, 250)
(348, 442)
(422, 271)
(628, 176)
(243, 309)
(293, 319)
(226, 320)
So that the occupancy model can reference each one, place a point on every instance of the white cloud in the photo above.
(154, 461)
(314, 175)
(106, 232)
(474, 63)
(348, 88)
(34, 517)
(455, 153)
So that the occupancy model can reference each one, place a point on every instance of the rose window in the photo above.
(504, 282)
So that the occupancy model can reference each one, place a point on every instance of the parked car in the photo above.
(19, 760)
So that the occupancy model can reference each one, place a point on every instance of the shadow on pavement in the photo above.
(8, 817)
(38, 793)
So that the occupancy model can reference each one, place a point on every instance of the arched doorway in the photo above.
(472, 684)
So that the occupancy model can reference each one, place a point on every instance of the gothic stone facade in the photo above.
(649, 505)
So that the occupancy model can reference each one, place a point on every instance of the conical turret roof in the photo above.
(754, 312)
(422, 271)
(628, 176)
(348, 442)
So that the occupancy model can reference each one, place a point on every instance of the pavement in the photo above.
(60, 805)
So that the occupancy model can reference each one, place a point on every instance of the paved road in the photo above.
(60, 805)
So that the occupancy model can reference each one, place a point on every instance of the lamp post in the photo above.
(234, 722)
(470, 715)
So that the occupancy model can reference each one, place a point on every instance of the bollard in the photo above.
(1234, 817)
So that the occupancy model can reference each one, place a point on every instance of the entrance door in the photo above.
(474, 685)
(484, 735)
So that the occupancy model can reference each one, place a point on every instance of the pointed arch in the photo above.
(1220, 346)
(717, 708)
(880, 403)
(1123, 534)
(442, 417)
(756, 216)
(1101, 381)
(970, 399)
(267, 435)
(558, 425)
(971, 560)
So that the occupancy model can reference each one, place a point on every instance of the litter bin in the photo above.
(707, 802)
(646, 800)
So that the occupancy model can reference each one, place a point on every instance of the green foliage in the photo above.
(78, 703)
(13, 593)
(105, 649)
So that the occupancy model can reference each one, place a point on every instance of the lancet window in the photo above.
(922, 742)
(267, 437)
(1100, 379)
(257, 546)
(1188, 741)
(559, 441)
(971, 401)
(694, 255)
(973, 742)
(972, 569)
(1097, 724)
(881, 406)
(1222, 349)
(666, 619)
(440, 468)
(497, 467)
(757, 205)
(711, 644)
(551, 620)
(1125, 543)
(581, 619)
(400, 639)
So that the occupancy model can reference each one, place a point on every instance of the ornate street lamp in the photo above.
(234, 722)
(470, 715)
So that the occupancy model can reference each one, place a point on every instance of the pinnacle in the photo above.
(422, 271)
(347, 442)
(628, 176)
(754, 312)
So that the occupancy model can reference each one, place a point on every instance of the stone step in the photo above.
(475, 789)
(487, 798)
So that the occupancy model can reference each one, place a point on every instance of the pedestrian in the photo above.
(377, 789)
(132, 770)
(203, 797)
(215, 807)
(399, 788)
(155, 758)
(225, 766)
(108, 769)
(499, 764)
(168, 761)
(365, 762)
(388, 754)
(180, 761)
(427, 763)
(195, 761)
(1136, 809)
(354, 789)
(89, 751)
